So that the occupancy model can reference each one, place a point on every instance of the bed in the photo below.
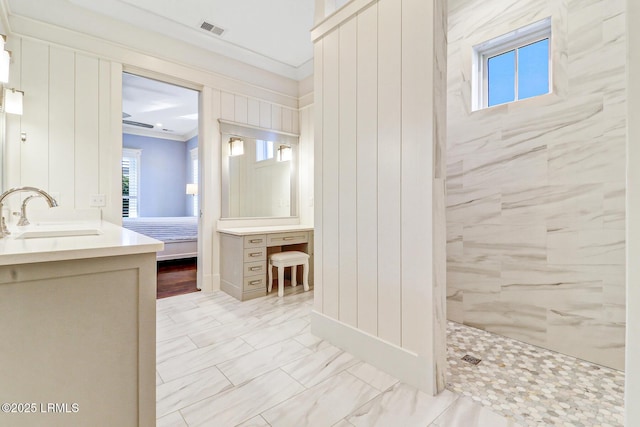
(179, 234)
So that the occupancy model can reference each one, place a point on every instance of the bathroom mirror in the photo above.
(259, 172)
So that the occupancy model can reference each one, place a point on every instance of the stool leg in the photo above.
(305, 275)
(294, 276)
(280, 281)
(270, 267)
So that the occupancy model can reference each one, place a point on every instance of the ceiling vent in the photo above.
(212, 28)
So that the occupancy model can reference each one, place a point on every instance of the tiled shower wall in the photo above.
(536, 188)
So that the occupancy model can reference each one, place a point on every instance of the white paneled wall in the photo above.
(241, 109)
(66, 122)
(72, 122)
(306, 164)
(379, 291)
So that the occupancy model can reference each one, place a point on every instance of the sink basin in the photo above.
(58, 232)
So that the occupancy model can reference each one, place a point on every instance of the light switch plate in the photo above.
(97, 201)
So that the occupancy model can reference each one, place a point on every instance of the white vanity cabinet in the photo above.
(78, 329)
(244, 253)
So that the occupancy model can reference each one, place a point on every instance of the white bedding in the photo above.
(179, 234)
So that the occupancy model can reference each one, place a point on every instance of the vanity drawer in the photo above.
(255, 282)
(255, 241)
(278, 239)
(255, 254)
(253, 268)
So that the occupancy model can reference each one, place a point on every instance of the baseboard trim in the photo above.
(405, 365)
(210, 282)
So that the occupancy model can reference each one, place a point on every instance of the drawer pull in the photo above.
(288, 238)
(255, 254)
(255, 282)
(255, 241)
(256, 268)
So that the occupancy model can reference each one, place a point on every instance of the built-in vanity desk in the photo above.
(244, 252)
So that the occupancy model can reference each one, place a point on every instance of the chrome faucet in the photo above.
(23, 211)
(4, 231)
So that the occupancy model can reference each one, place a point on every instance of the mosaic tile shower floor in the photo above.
(531, 385)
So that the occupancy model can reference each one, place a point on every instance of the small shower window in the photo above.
(514, 66)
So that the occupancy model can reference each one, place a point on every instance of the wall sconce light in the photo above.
(5, 61)
(236, 146)
(12, 101)
(284, 153)
(192, 189)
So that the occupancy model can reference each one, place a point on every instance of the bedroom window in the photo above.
(514, 66)
(194, 178)
(264, 150)
(130, 182)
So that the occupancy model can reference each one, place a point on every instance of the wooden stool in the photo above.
(289, 259)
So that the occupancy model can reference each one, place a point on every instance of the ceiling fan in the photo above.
(134, 123)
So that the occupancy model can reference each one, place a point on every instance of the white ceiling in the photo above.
(270, 34)
(277, 29)
(171, 110)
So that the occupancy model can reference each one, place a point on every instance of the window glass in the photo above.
(501, 71)
(533, 69)
(512, 66)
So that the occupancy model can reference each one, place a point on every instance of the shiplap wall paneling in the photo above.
(35, 120)
(318, 148)
(12, 145)
(265, 115)
(87, 161)
(287, 120)
(253, 109)
(306, 168)
(61, 125)
(276, 117)
(209, 153)
(227, 106)
(107, 151)
(295, 122)
(417, 174)
(389, 171)
(347, 175)
(331, 175)
(366, 168)
(241, 109)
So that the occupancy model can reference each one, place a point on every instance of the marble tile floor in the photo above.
(221, 362)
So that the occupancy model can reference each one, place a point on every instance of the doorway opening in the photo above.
(160, 175)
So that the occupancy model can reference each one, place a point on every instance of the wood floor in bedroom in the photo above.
(176, 277)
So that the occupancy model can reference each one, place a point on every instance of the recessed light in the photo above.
(159, 125)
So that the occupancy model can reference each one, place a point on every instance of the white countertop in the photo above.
(268, 229)
(113, 241)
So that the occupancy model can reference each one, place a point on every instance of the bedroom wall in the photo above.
(191, 144)
(163, 173)
(536, 188)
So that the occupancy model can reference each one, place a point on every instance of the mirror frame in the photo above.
(230, 129)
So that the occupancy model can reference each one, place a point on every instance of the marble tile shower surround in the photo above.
(536, 188)
(231, 363)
